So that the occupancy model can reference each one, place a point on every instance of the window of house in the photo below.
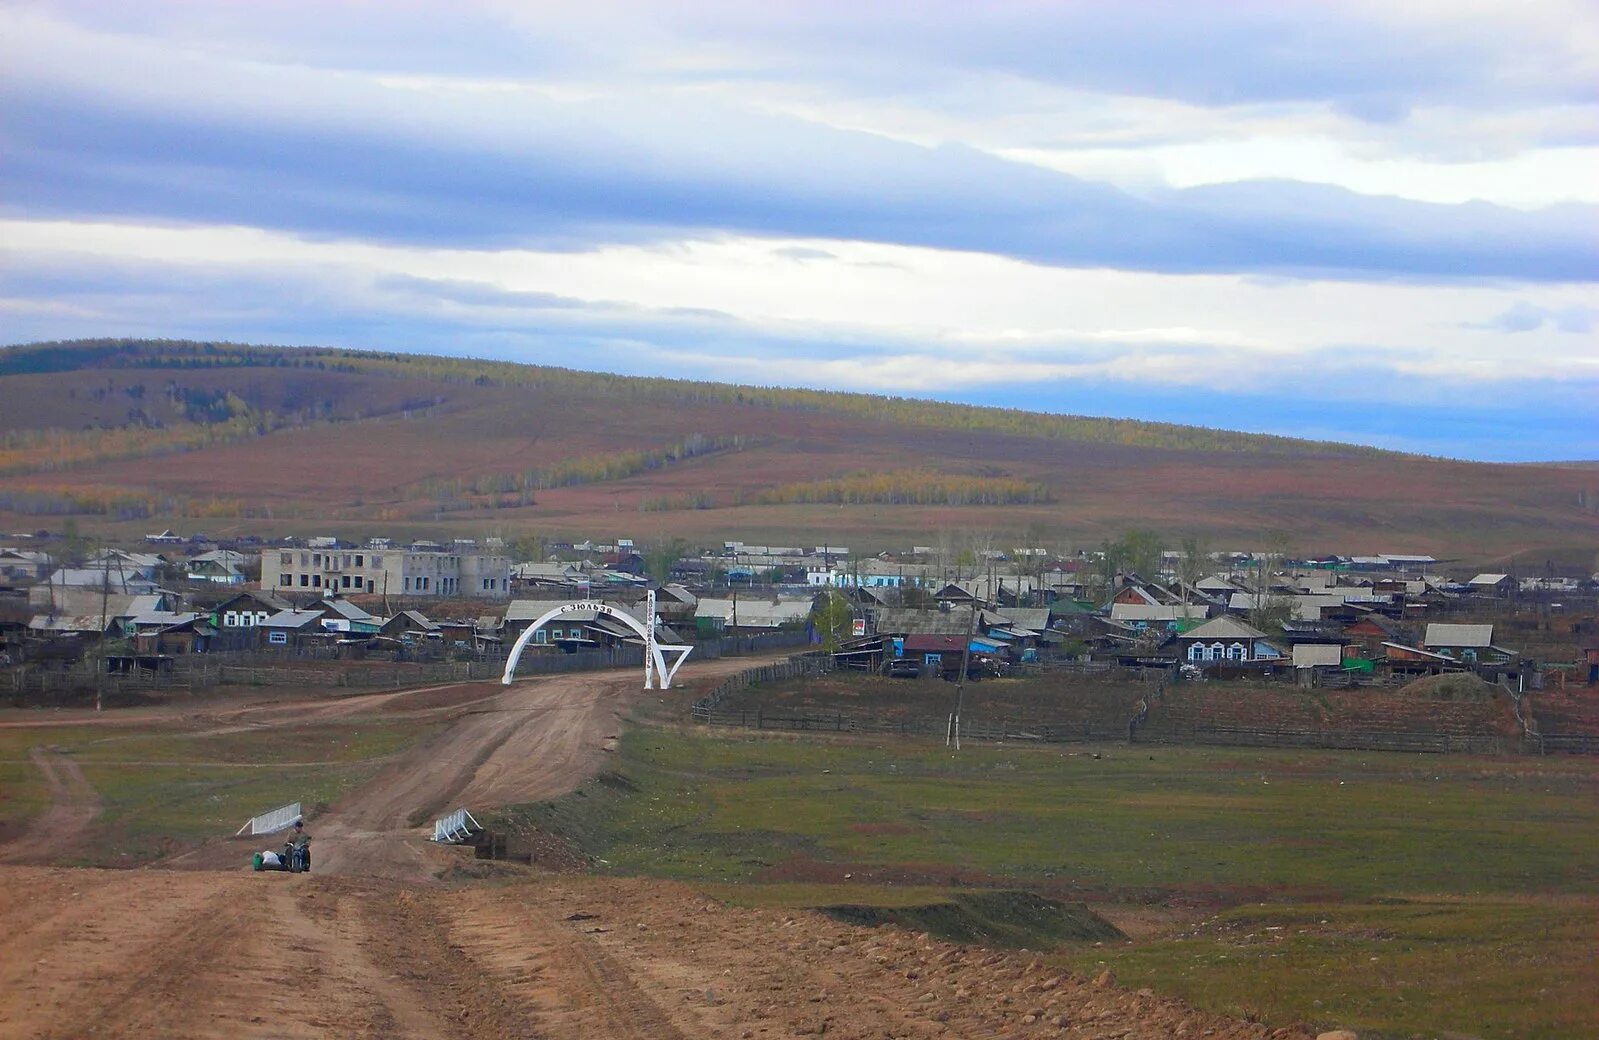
(305, 559)
(285, 579)
(359, 558)
(377, 561)
(407, 584)
(305, 579)
(1196, 652)
(285, 559)
(316, 559)
(1218, 652)
(540, 636)
(1236, 652)
(370, 584)
(279, 638)
(316, 581)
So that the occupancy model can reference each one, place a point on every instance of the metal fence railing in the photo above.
(455, 827)
(270, 822)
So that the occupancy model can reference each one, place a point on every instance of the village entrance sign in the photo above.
(655, 667)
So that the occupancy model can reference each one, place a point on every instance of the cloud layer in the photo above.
(1247, 201)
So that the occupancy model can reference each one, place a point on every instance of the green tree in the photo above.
(1142, 550)
(831, 615)
(74, 547)
(662, 556)
(525, 548)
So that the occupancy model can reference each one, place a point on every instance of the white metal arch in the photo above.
(654, 659)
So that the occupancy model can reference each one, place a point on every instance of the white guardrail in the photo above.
(268, 822)
(459, 824)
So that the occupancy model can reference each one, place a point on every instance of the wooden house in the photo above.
(171, 634)
(1226, 639)
(1468, 644)
(291, 630)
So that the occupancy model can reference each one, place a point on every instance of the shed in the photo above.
(1318, 655)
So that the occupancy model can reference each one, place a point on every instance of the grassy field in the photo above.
(163, 791)
(1281, 874)
(1048, 696)
(1488, 966)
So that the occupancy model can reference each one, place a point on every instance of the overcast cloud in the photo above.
(1347, 220)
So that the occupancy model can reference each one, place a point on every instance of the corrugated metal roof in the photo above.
(907, 622)
(67, 623)
(292, 619)
(1224, 628)
(1318, 655)
(1440, 634)
(1035, 619)
(1157, 611)
(162, 618)
(935, 643)
(347, 610)
(757, 612)
(1421, 652)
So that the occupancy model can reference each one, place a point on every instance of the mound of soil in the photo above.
(1013, 919)
(1454, 686)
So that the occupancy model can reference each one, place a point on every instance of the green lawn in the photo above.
(166, 790)
(1472, 881)
(1316, 824)
(1479, 967)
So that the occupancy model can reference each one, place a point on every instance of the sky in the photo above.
(1359, 221)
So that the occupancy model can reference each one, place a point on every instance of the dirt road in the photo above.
(153, 954)
(499, 745)
(378, 949)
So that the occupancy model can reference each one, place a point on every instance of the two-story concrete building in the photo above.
(394, 572)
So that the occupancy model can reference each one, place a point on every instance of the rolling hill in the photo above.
(124, 435)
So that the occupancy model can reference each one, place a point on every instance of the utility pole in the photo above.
(960, 683)
(105, 597)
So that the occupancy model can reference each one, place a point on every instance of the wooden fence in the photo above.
(1328, 739)
(1567, 743)
(207, 671)
(1056, 732)
(793, 668)
(710, 711)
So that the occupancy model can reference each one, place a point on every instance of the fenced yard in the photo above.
(807, 695)
(323, 667)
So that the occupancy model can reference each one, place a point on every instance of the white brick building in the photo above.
(394, 572)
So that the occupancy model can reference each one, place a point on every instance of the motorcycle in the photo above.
(296, 859)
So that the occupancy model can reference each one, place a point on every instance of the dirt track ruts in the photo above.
(73, 805)
(231, 954)
(155, 954)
